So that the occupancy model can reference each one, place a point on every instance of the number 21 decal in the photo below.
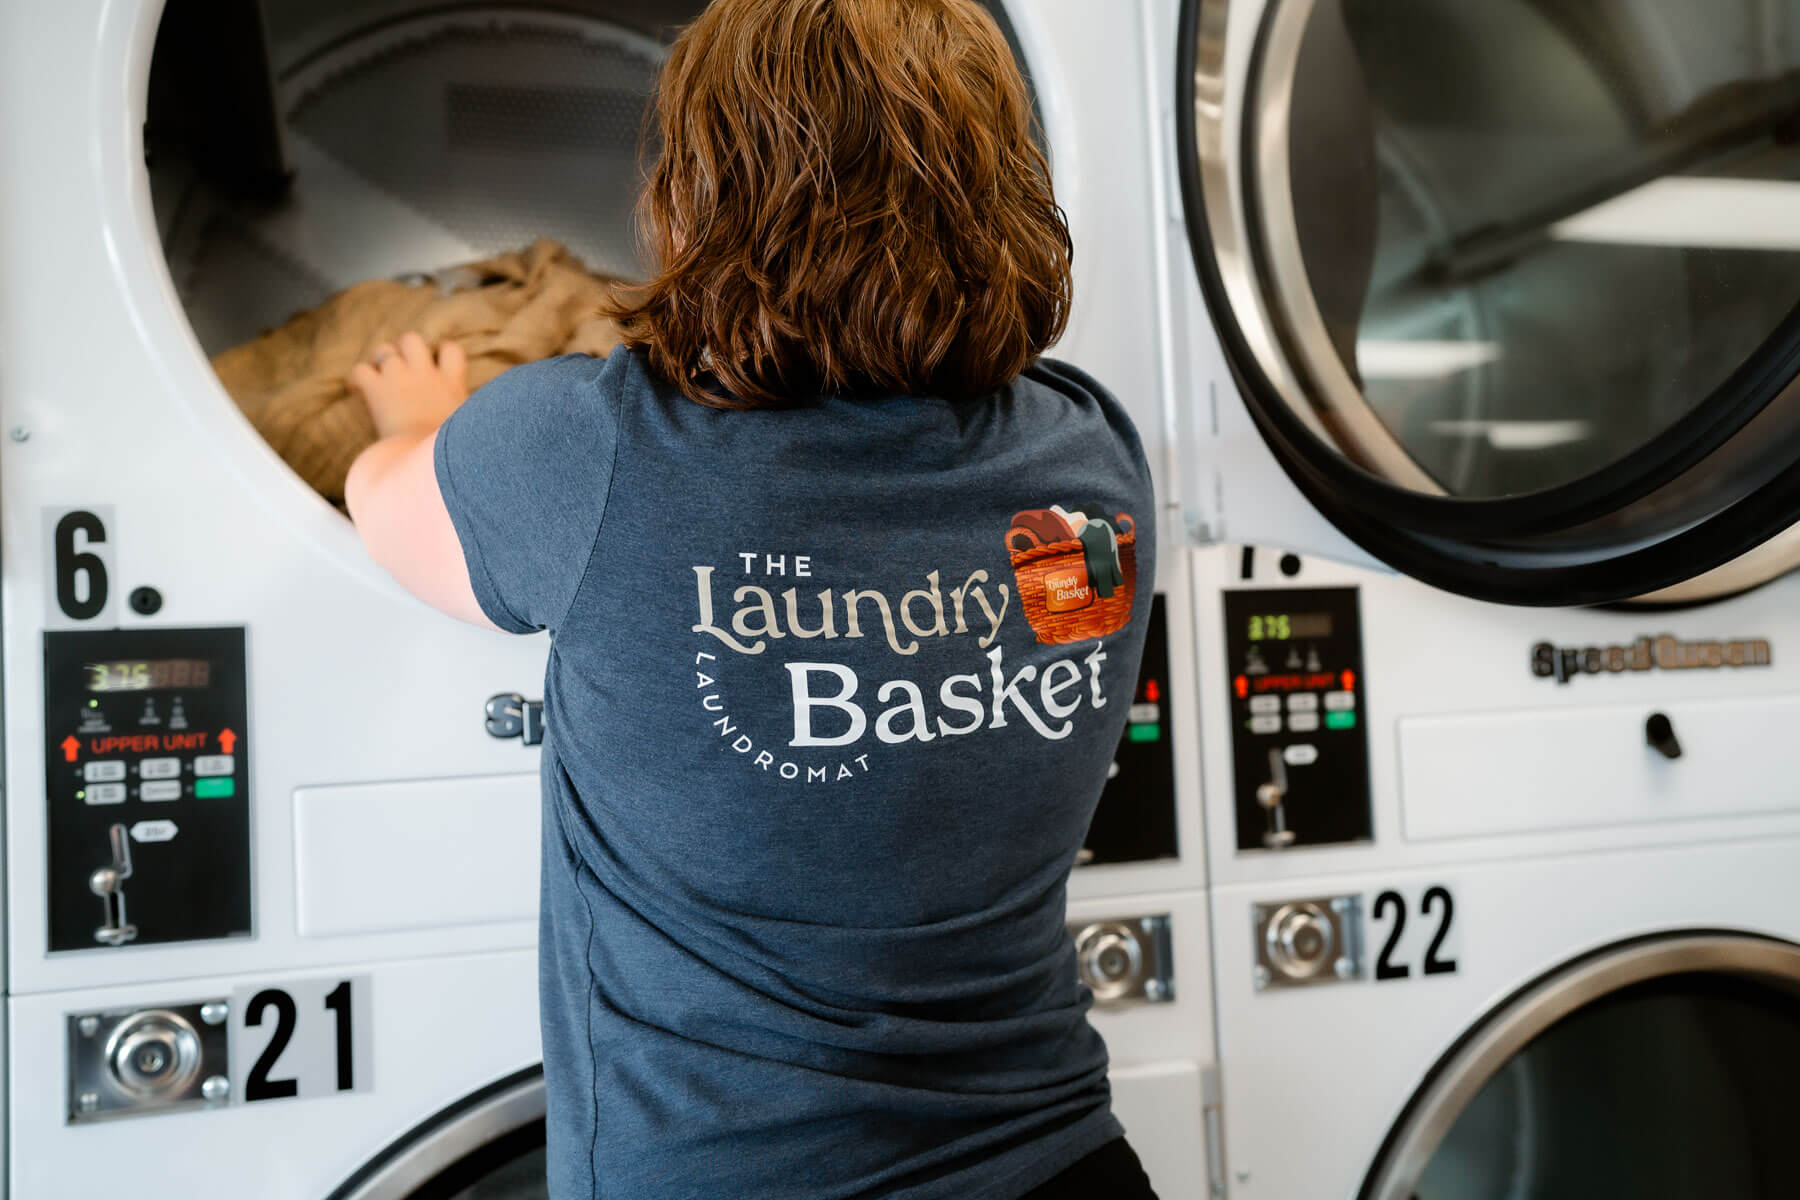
(1437, 914)
(304, 1038)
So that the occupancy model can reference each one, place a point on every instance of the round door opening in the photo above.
(327, 174)
(1660, 1071)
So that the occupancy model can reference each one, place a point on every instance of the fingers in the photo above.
(414, 350)
(364, 377)
(454, 363)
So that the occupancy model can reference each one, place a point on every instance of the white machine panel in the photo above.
(1591, 768)
(371, 858)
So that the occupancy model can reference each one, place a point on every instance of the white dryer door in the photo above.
(1510, 289)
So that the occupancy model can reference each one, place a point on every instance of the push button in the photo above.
(1340, 701)
(104, 770)
(1265, 704)
(161, 789)
(209, 789)
(1340, 720)
(105, 793)
(1306, 722)
(160, 768)
(1303, 702)
(215, 764)
(1269, 724)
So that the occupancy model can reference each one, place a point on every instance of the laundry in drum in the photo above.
(509, 309)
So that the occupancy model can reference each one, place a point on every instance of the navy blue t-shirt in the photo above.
(832, 694)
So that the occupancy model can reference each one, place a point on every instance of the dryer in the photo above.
(1536, 935)
(1485, 315)
(271, 855)
(1507, 292)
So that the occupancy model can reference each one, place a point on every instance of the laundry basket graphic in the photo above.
(1061, 603)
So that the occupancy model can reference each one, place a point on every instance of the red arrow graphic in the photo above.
(71, 746)
(227, 740)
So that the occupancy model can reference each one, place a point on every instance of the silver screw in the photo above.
(215, 1089)
(89, 1026)
(1243, 1177)
(1344, 968)
(1341, 904)
(89, 1102)
(1155, 989)
(19, 433)
(214, 1013)
(1262, 978)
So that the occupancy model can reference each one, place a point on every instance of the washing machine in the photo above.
(1481, 358)
(271, 825)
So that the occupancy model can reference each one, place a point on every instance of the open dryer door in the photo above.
(1510, 289)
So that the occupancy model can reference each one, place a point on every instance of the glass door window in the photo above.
(1512, 288)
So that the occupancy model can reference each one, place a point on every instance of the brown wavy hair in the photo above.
(848, 199)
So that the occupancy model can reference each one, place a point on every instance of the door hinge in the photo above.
(1212, 1111)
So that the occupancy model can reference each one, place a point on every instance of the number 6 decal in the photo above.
(79, 579)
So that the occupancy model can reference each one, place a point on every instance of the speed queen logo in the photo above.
(1665, 653)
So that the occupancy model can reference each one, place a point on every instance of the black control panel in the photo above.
(1299, 734)
(1135, 821)
(147, 783)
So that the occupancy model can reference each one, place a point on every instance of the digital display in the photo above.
(146, 675)
(1285, 627)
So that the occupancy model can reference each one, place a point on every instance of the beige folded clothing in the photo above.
(511, 309)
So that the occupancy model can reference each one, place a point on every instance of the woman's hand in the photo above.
(408, 392)
(392, 488)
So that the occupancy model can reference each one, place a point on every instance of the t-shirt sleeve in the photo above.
(525, 466)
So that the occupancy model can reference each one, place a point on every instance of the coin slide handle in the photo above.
(1273, 797)
(108, 883)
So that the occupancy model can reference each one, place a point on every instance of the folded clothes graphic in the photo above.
(510, 309)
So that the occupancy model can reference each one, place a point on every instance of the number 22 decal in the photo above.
(1436, 900)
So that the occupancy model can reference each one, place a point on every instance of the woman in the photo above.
(847, 590)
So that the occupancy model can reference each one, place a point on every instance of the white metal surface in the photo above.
(375, 858)
(1592, 769)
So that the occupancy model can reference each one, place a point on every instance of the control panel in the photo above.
(1135, 821)
(147, 786)
(1300, 750)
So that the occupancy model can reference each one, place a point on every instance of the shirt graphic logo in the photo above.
(1076, 571)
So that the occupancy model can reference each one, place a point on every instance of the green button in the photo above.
(1340, 720)
(207, 789)
(1145, 733)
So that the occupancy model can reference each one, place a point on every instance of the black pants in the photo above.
(1112, 1171)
